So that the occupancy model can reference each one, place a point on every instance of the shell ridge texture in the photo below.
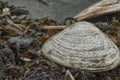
(82, 46)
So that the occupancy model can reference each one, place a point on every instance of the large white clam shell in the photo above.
(100, 8)
(82, 46)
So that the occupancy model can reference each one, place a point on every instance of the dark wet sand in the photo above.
(55, 9)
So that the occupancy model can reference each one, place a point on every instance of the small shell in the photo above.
(100, 8)
(82, 46)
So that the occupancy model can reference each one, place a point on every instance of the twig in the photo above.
(27, 28)
(25, 59)
(54, 27)
(13, 24)
(68, 73)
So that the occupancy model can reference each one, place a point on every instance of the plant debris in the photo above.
(20, 47)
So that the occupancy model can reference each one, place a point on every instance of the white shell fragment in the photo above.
(82, 46)
(100, 8)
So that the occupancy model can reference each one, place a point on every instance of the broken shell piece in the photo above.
(100, 8)
(82, 46)
(6, 11)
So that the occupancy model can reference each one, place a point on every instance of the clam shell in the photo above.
(82, 46)
(100, 8)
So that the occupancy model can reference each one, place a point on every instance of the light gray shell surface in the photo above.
(82, 46)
